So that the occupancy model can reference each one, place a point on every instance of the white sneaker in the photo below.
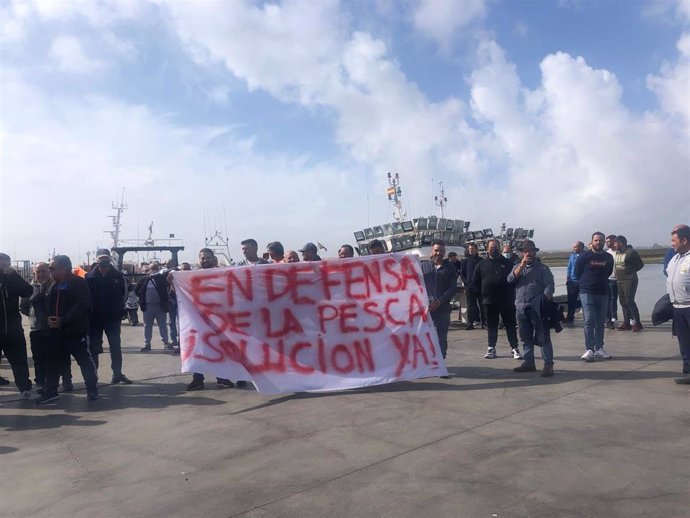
(516, 354)
(602, 354)
(588, 356)
(490, 353)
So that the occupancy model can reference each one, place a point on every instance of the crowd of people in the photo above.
(69, 314)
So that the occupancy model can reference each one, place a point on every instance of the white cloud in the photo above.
(69, 56)
(440, 19)
(673, 83)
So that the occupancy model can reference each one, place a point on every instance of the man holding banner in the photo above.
(318, 326)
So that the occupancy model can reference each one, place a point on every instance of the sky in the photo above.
(280, 120)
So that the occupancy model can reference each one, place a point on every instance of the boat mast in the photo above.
(394, 194)
(441, 201)
(119, 207)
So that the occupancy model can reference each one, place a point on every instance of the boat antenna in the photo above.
(394, 196)
(441, 201)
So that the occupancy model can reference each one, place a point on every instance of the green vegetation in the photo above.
(560, 257)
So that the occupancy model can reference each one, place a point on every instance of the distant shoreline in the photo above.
(560, 257)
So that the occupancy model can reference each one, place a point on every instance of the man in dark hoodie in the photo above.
(498, 297)
(12, 339)
(68, 320)
(108, 289)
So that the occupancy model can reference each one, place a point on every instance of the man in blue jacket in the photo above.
(108, 289)
(571, 281)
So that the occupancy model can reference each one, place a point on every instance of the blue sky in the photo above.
(565, 116)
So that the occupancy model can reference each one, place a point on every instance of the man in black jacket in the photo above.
(475, 312)
(441, 280)
(498, 298)
(12, 339)
(108, 289)
(68, 320)
(153, 300)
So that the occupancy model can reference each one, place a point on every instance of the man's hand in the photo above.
(54, 322)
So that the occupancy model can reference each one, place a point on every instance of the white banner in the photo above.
(326, 325)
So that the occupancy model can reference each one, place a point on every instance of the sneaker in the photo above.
(610, 325)
(121, 378)
(685, 380)
(27, 394)
(168, 346)
(602, 354)
(145, 349)
(47, 398)
(516, 354)
(223, 383)
(195, 385)
(444, 377)
(588, 356)
(241, 384)
(490, 353)
(67, 386)
(4, 381)
(468, 327)
(637, 328)
(92, 395)
(525, 367)
(547, 372)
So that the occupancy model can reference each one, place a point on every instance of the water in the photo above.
(652, 287)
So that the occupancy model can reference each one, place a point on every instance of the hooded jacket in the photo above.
(628, 263)
(491, 279)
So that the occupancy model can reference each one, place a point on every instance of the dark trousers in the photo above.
(529, 325)
(612, 310)
(40, 349)
(172, 313)
(13, 344)
(626, 293)
(681, 328)
(475, 311)
(506, 311)
(112, 329)
(441, 319)
(65, 346)
(573, 289)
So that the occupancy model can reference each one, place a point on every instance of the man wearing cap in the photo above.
(533, 283)
(108, 289)
(310, 252)
(678, 289)
(12, 339)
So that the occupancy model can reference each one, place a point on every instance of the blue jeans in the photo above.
(441, 319)
(157, 313)
(594, 309)
(528, 334)
(612, 310)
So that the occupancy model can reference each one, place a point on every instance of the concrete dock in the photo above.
(603, 439)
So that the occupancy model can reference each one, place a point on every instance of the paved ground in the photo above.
(605, 439)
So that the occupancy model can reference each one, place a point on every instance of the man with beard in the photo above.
(441, 280)
(533, 283)
(593, 268)
(491, 280)
(678, 289)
